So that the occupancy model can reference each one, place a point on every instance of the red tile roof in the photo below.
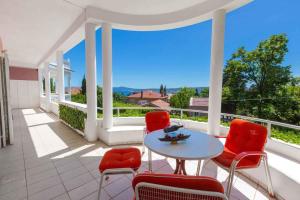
(199, 101)
(75, 90)
(147, 94)
(160, 103)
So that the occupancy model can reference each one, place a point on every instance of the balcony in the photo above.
(283, 158)
(47, 157)
(51, 161)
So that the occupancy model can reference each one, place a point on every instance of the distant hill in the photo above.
(127, 91)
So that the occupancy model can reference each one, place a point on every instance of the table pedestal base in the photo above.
(180, 167)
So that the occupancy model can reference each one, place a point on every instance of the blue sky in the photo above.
(181, 57)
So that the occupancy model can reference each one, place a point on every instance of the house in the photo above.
(160, 104)
(198, 103)
(145, 97)
(75, 90)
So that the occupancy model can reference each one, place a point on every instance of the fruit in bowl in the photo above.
(174, 138)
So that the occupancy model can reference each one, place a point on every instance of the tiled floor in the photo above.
(50, 161)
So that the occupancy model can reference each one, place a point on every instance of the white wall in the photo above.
(54, 108)
(24, 94)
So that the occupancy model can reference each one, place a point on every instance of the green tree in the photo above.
(165, 90)
(204, 92)
(234, 81)
(99, 97)
(52, 85)
(286, 105)
(257, 74)
(161, 90)
(78, 98)
(197, 92)
(81, 98)
(118, 97)
(44, 85)
(182, 98)
(83, 85)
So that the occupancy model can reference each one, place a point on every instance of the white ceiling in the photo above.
(139, 7)
(28, 28)
(32, 30)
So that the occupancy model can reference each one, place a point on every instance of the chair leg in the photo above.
(229, 183)
(149, 160)
(100, 185)
(143, 149)
(198, 168)
(134, 174)
(268, 177)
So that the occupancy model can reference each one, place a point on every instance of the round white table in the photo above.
(199, 146)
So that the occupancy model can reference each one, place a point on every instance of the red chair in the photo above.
(155, 120)
(244, 149)
(170, 187)
(119, 161)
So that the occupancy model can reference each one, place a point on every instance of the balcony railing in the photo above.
(285, 132)
(225, 117)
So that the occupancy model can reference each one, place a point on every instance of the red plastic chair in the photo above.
(244, 149)
(155, 120)
(170, 187)
(119, 161)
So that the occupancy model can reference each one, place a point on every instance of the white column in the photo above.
(69, 86)
(107, 76)
(47, 86)
(91, 83)
(60, 75)
(216, 72)
(40, 70)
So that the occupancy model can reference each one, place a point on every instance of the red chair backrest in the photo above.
(181, 181)
(157, 120)
(199, 183)
(246, 136)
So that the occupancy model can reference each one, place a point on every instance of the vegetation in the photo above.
(163, 90)
(204, 92)
(182, 98)
(74, 117)
(44, 84)
(52, 85)
(197, 92)
(287, 135)
(78, 98)
(256, 83)
(83, 85)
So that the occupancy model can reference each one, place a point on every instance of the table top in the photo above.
(198, 146)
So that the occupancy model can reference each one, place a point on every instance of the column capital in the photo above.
(59, 52)
(90, 25)
(106, 25)
(219, 12)
(46, 64)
